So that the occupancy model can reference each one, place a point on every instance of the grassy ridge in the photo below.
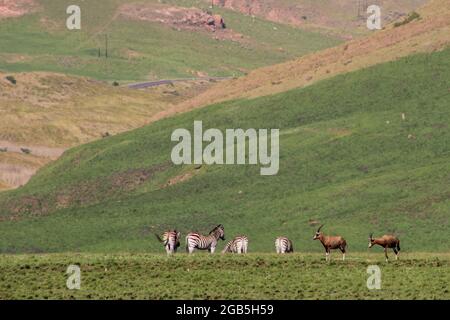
(347, 160)
(141, 50)
(255, 276)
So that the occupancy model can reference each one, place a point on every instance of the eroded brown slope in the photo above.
(343, 18)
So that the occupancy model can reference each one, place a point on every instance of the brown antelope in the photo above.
(330, 243)
(386, 241)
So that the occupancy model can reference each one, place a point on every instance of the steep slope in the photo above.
(428, 33)
(146, 40)
(349, 159)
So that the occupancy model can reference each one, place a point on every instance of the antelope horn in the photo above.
(320, 228)
(371, 235)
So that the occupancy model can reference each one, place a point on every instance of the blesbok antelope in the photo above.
(386, 241)
(331, 243)
(171, 240)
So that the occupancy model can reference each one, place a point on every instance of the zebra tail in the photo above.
(159, 239)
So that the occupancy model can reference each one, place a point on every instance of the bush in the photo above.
(25, 150)
(3, 149)
(11, 79)
(115, 84)
(412, 16)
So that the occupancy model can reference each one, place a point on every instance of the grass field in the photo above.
(347, 159)
(254, 276)
(144, 50)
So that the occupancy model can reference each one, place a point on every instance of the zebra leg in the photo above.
(168, 251)
(212, 249)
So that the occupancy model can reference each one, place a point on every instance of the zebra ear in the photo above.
(178, 235)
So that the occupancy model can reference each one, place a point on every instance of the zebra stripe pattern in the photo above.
(283, 245)
(171, 240)
(197, 241)
(238, 245)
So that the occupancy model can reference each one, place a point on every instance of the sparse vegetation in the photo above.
(25, 150)
(3, 149)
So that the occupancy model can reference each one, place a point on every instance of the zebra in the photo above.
(283, 245)
(197, 241)
(238, 245)
(171, 240)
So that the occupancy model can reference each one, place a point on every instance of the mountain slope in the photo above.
(47, 113)
(146, 40)
(342, 18)
(348, 159)
(428, 33)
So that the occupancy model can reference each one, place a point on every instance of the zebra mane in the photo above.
(216, 228)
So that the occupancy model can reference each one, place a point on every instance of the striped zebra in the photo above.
(171, 240)
(238, 245)
(197, 241)
(283, 245)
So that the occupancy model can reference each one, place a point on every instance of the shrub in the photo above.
(115, 84)
(11, 79)
(25, 150)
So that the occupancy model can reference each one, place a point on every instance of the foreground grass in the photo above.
(254, 276)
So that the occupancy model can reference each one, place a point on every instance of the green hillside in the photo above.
(139, 49)
(347, 160)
